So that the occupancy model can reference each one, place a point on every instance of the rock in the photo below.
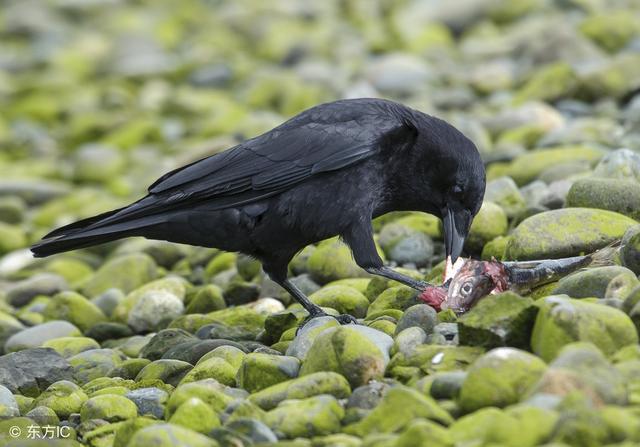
(259, 371)
(613, 78)
(398, 73)
(623, 164)
(97, 163)
(302, 388)
(305, 336)
(421, 431)
(399, 297)
(89, 365)
(526, 167)
(367, 397)
(108, 331)
(591, 282)
(256, 431)
(126, 272)
(218, 331)
(154, 311)
(549, 83)
(504, 192)
(565, 232)
(195, 415)
(70, 346)
(445, 334)
(168, 371)
(33, 191)
(621, 196)
(447, 385)
(232, 355)
(562, 320)
(207, 299)
(348, 352)
(8, 405)
(12, 237)
(581, 368)
(213, 393)
(505, 319)
(43, 416)
(419, 315)
(499, 378)
(150, 401)
(245, 317)
(193, 351)
(30, 371)
(212, 368)
(489, 223)
(404, 244)
(630, 249)
(314, 416)
(24, 291)
(619, 288)
(610, 30)
(63, 397)
(169, 435)
(406, 404)
(579, 422)
(8, 327)
(12, 209)
(344, 299)
(332, 260)
(163, 341)
(408, 339)
(241, 292)
(36, 336)
(75, 309)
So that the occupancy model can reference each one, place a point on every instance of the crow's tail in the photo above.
(95, 230)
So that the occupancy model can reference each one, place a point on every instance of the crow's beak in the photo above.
(456, 227)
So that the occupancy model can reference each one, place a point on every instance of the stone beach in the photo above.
(141, 343)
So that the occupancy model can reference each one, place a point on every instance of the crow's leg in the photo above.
(360, 240)
(279, 275)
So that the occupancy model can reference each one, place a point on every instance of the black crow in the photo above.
(325, 172)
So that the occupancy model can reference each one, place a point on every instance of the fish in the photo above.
(470, 280)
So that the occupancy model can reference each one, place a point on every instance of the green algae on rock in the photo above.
(566, 232)
(505, 319)
(109, 407)
(196, 415)
(499, 378)
(620, 196)
(63, 397)
(259, 371)
(313, 416)
(562, 320)
(589, 283)
(126, 272)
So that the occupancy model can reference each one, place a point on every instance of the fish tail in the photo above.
(606, 255)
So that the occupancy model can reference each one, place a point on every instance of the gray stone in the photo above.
(31, 371)
(8, 405)
(150, 401)
(36, 336)
(46, 284)
(420, 315)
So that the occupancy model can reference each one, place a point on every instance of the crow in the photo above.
(325, 172)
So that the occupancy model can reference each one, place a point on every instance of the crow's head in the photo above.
(456, 182)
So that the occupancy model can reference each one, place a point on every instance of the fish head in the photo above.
(474, 280)
(434, 296)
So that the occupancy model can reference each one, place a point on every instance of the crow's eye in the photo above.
(466, 288)
(457, 191)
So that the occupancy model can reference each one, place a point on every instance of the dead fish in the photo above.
(475, 279)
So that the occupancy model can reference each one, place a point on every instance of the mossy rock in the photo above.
(423, 222)
(405, 404)
(212, 368)
(301, 388)
(208, 299)
(495, 248)
(621, 196)
(505, 319)
(109, 407)
(552, 82)
(196, 415)
(314, 416)
(399, 297)
(613, 78)
(259, 371)
(70, 346)
(213, 393)
(562, 320)
(163, 341)
(74, 308)
(63, 397)
(499, 378)
(332, 260)
(344, 299)
(89, 365)
(489, 223)
(610, 30)
(220, 263)
(591, 282)
(73, 270)
(126, 272)
(167, 370)
(566, 232)
(12, 237)
(347, 352)
(430, 359)
(169, 435)
(526, 167)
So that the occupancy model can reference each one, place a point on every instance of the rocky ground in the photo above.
(142, 343)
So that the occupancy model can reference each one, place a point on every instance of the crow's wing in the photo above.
(321, 139)
(273, 162)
